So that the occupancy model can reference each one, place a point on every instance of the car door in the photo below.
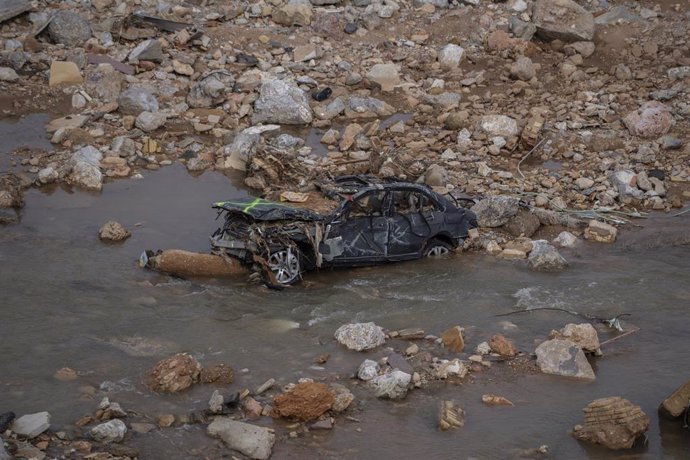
(415, 218)
(359, 236)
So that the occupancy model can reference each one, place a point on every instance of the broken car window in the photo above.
(372, 205)
(408, 202)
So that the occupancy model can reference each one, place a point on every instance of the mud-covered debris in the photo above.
(612, 422)
(218, 373)
(174, 374)
(306, 401)
(450, 416)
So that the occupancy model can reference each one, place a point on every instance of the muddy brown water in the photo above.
(69, 300)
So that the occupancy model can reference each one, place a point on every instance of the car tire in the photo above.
(437, 248)
(285, 265)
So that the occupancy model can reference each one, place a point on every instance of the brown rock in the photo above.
(612, 422)
(174, 374)
(495, 400)
(524, 223)
(252, 408)
(221, 373)
(186, 263)
(450, 416)
(601, 232)
(64, 73)
(502, 346)
(453, 340)
(164, 421)
(307, 401)
(65, 374)
(675, 405)
(113, 231)
(583, 335)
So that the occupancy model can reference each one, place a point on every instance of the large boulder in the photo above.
(210, 90)
(360, 336)
(612, 422)
(69, 28)
(563, 357)
(651, 120)
(392, 385)
(283, 103)
(174, 374)
(545, 257)
(496, 210)
(135, 100)
(563, 20)
(253, 441)
(305, 402)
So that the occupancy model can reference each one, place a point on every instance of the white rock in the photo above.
(498, 125)
(368, 370)
(150, 121)
(565, 239)
(360, 336)
(253, 441)
(8, 74)
(386, 75)
(450, 56)
(110, 431)
(283, 103)
(393, 385)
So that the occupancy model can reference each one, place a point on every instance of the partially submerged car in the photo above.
(374, 223)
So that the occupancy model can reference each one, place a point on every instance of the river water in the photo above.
(66, 299)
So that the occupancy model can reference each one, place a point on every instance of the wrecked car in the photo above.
(373, 224)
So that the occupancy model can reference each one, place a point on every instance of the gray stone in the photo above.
(293, 14)
(669, 142)
(210, 90)
(545, 257)
(523, 69)
(123, 146)
(563, 357)
(524, 223)
(583, 335)
(621, 180)
(565, 239)
(365, 105)
(48, 175)
(135, 100)
(397, 361)
(7, 74)
(148, 50)
(522, 29)
(496, 210)
(563, 20)
(110, 431)
(450, 56)
(253, 441)
(436, 3)
(282, 102)
(31, 425)
(4, 455)
(88, 154)
(69, 29)
(679, 73)
(104, 83)
(287, 142)
(87, 176)
(332, 110)
(368, 370)
(360, 336)
(113, 231)
(392, 385)
(150, 121)
(498, 125)
(244, 145)
(585, 49)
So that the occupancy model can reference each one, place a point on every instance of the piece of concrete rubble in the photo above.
(392, 385)
(450, 416)
(601, 232)
(360, 336)
(31, 425)
(253, 441)
(450, 56)
(565, 358)
(613, 422)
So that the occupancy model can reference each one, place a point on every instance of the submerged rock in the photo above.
(450, 416)
(360, 336)
(601, 232)
(305, 402)
(453, 340)
(612, 422)
(253, 441)
(502, 346)
(563, 357)
(11, 195)
(174, 374)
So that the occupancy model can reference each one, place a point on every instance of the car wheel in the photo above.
(437, 248)
(285, 265)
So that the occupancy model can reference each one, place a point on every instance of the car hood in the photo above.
(264, 210)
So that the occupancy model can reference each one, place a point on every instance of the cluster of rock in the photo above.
(145, 96)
